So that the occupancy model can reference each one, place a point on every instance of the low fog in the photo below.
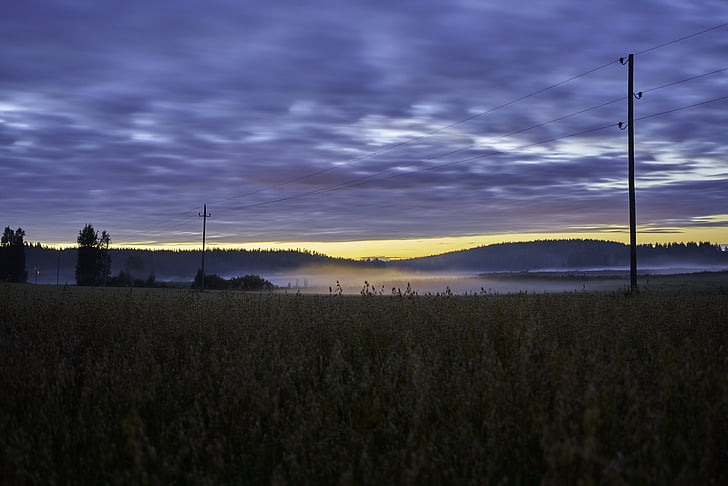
(458, 273)
(354, 281)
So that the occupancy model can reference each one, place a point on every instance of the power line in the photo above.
(361, 180)
(569, 115)
(515, 132)
(364, 179)
(425, 135)
(182, 218)
(451, 152)
(686, 79)
(542, 142)
(675, 41)
(683, 108)
(483, 113)
(585, 110)
(177, 220)
(370, 176)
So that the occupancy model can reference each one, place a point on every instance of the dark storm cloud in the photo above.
(353, 120)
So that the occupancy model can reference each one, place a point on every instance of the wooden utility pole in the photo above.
(630, 144)
(204, 217)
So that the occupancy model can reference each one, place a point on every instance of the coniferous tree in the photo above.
(12, 256)
(94, 263)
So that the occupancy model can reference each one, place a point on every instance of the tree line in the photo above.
(139, 268)
(93, 264)
(573, 253)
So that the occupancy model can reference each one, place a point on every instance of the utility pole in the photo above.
(631, 96)
(204, 217)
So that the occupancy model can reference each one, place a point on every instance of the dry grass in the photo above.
(155, 387)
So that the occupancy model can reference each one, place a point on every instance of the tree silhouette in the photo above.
(12, 256)
(94, 263)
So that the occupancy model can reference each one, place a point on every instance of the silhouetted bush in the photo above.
(248, 282)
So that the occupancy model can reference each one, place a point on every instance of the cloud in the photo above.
(346, 121)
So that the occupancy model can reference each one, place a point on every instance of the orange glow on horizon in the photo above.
(417, 247)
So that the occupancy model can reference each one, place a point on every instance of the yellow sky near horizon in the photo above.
(418, 247)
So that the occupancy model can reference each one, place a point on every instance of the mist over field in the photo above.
(538, 266)
(387, 282)
(352, 281)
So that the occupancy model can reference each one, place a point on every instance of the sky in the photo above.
(362, 128)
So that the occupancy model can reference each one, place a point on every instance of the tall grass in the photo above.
(154, 387)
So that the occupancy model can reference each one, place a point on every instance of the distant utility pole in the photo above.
(631, 96)
(204, 217)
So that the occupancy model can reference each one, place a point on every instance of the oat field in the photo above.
(119, 386)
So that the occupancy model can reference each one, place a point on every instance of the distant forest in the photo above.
(179, 265)
(46, 265)
(569, 254)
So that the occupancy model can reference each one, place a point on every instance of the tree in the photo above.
(12, 256)
(94, 262)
